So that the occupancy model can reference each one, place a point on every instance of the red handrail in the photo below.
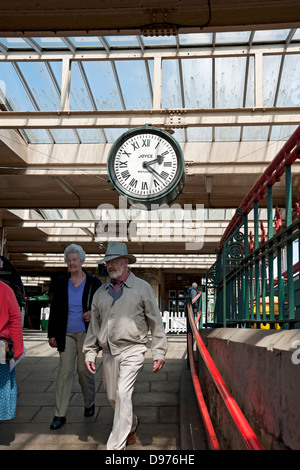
(239, 419)
(209, 429)
(286, 156)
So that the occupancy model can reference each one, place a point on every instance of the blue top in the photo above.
(76, 323)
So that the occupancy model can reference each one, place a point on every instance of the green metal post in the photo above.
(271, 255)
(280, 284)
(224, 259)
(263, 285)
(256, 273)
(247, 281)
(289, 220)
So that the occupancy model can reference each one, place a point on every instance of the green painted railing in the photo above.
(255, 279)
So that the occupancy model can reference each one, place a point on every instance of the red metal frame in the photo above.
(239, 419)
(209, 429)
(272, 174)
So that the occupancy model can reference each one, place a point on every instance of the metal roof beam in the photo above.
(177, 118)
(149, 53)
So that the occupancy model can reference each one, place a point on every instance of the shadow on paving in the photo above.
(156, 401)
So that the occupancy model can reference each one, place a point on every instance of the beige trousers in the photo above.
(119, 376)
(73, 352)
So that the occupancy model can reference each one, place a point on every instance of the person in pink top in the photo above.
(10, 327)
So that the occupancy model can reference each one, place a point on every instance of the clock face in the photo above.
(146, 165)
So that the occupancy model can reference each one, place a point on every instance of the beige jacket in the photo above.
(115, 326)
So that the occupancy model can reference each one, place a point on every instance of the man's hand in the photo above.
(158, 365)
(52, 342)
(87, 316)
(90, 367)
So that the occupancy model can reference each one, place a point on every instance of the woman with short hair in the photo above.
(70, 314)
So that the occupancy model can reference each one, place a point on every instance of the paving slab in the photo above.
(156, 401)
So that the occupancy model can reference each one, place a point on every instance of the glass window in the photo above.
(122, 41)
(296, 36)
(276, 35)
(203, 39)
(271, 66)
(37, 136)
(79, 97)
(12, 88)
(229, 82)
(91, 136)
(50, 43)
(84, 42)
(250, 90)
(112, 134)
(255, 133)
(179, 135)
(41, 85)
(159, 40)
(282, 132)
(14, 43)
(102, 83)
(197, 81)
(289, 90)
(170, 88)
(134, 84)
(199, 134)
(239, 37)
(227, 134)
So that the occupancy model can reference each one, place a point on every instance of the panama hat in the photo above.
(117, 250)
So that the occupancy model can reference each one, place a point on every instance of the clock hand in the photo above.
(149, 168)
(158, 160)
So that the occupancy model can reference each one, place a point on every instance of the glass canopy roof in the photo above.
(198, 71)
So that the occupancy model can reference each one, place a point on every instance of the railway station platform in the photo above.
(165, 425)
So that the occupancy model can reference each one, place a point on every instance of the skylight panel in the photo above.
(50, 43)
(79, 96)
(276, 35)
(198, 39)
(41, 85)
(271, 67)
(159, 40)
(289, 90)
(197, 81)
(64, 136)
(122, 41)
(37, 136)
(255, 133)
(14, 43)
(199, 134)
(13, 89)
(296, 36)
(53, 214)
(227, 134)
(179, 135)
(282, 132)
(229, 82)
(90, 136)
(134, 84)
(239, 37)
(112, 134)
(102, 83)
(250, 85)
(170, 88)
(84, 42)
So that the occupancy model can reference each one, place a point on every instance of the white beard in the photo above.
(117, 274)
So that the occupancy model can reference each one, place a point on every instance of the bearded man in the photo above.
(123, 311)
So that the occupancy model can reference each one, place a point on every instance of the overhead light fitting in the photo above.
(160, 29)
(209, 183)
